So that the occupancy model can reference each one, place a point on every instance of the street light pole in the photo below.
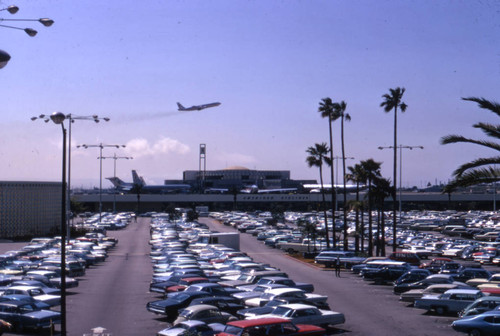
(100, 146)
(401, 147)
(58, 118)
(114, 157)
(71, 118)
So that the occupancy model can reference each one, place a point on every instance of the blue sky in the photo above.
(268, 62)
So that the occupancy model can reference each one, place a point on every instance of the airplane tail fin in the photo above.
(117, 182)
(179, 105)
(137, 180)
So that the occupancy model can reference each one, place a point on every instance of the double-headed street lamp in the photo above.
(100, 146)
(31, 32)
(114, 157)
(58, 118)
(71, 117)
(401, 147)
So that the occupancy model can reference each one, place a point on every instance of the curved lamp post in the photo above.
(71, 118)
(58, 118)
(31, 32)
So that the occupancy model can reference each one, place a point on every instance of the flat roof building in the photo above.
(29, 208)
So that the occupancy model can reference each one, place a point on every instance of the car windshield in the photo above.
(185, 313)
(181, 297)
(282, 311)
(232, 330)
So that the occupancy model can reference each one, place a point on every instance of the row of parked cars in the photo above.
(30, 278)
(216, 290)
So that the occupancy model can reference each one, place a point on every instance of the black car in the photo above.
(412, 276)
(172, 304)
(385, 274)
(424, 283)
(471, 273)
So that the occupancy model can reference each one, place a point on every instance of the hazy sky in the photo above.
(268, 62)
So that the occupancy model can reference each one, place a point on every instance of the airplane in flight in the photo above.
(196, 107)
(138, 181)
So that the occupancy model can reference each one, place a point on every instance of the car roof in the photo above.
(199, 307)
(257, 322)
(284, 290)
(297, 306)
(462, 291)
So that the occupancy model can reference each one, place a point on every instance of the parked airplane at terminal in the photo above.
(312, 188)
(139, 182)
(196, 107)
(253, 189)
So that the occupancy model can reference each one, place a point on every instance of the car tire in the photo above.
(440, 310)
(475, 332)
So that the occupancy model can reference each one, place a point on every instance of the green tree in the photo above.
(482, 170)
(328, 110)
(392, 101)
(371, 171)
(339, 110)
(317, 157)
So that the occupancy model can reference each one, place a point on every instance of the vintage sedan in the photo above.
(24, 315)
(485, 324)
(186, 328)
(301, 313)
(171, 305)
(270, 327)
(35, 292)
(205, 313)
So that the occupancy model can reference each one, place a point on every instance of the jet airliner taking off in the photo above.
(147, 189)
(196, 107)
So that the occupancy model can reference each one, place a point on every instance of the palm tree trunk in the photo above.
(370, 220)
(394, 204)
(333, 191)
(324, 209)
(382, 229)
(362, 229)
(346, 246)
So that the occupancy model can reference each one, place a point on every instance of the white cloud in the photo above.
(235, 159)
(141, 147)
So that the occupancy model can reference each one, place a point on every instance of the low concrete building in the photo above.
(29, 208)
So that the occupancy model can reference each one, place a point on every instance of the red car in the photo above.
(269, 327)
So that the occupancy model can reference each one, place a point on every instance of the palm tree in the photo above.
(327, 110)
(339, 110)
(317, 156)
(391, 102)
(482, 170)
(356, 175)
(371, 171)
(381, 190)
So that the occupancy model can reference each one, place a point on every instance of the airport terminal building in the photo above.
(240, 177)
(29, 208)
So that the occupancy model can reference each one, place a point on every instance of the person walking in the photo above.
(337, 267)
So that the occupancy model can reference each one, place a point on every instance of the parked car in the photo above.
(270, 327)
(224, 303)
(172, 304)
(386, 273)
(347, 259)
(24, 315)
(485, 324)
(421, 284)
(204, 313)
(35, 292)
(434, 266)
(186, 328)
(306, 287)
(450, 302)
(282, 293)
(301, 313)
(269, 306)
(481, 305)
(414, 294)
(471, 273)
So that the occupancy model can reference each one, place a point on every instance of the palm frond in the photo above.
(485, 104)
(476, 164)
(489, 129)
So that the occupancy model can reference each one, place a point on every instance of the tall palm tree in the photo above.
(392, 101)
(356, 175)
(339, 110)
(318, 154)
(372, 172)
(381, 190)
(482, 170)
(327, 110)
